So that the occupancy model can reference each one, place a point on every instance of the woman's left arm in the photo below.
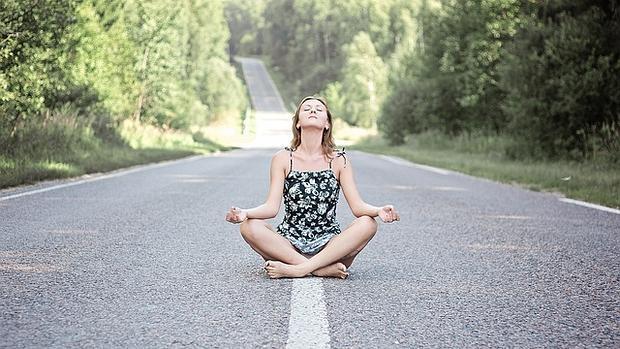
(358, 206)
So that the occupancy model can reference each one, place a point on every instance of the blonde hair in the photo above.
(327, 143)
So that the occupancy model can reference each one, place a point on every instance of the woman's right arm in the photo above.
(272, 205)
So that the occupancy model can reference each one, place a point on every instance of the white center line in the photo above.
(308, 326)
(117, 173)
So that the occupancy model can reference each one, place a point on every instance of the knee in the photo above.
(248, 228)
(370, 223)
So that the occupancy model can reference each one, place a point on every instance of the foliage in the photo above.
(101, 63)
(545, 74)
(305, 40)
(30, 34)
(363, 82)
(562, 78)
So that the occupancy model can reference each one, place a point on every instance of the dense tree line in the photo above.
(337, 48)
(94, 63)
(543, 74)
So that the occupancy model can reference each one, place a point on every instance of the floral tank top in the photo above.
(310, 199)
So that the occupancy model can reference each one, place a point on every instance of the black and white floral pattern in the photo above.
(310, 199)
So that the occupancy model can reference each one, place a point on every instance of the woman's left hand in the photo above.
(388, 214)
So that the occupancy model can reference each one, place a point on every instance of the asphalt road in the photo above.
(272, 122)
(146, 259)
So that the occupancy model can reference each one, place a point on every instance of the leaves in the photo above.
(162, 62)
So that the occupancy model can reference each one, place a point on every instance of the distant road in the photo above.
(273, 122)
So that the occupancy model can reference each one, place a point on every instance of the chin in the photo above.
(312, 127)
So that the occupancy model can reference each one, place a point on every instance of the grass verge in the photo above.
(145, 144)
(592, 181)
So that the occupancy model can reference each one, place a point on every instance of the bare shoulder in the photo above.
(281, 154)
(340, 161)
(280, 158)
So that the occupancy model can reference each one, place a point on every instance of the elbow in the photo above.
(357, 211)
(362, 209)
(273, 212)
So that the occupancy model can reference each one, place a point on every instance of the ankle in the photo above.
(302, 269)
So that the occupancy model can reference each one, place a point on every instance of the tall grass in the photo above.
(62, 143)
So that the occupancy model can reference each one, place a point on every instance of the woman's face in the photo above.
(313, 113)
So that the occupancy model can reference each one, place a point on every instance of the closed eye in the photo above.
(318, 108)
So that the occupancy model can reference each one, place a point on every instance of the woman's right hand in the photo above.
(236, 215)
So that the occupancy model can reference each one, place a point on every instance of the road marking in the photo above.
(448, 188)
(411, 164)
(110, 175)
(587, 204)
(505, 216)
(308, 327)
(401, 187)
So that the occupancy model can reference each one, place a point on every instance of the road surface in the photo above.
(144, 258)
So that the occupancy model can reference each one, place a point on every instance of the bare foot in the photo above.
(336, 270)
(277, 269)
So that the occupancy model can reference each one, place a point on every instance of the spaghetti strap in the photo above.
(340, 153)
(290, 153)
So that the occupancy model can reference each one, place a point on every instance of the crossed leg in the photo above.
(273, 247)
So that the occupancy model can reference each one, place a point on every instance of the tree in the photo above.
(562, 79)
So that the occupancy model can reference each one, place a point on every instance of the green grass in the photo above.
(145, 144)
(592, 181)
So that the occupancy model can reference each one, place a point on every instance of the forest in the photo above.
(78, 78)
(544, 76)
(82, 81)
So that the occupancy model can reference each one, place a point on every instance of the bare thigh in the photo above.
(263, 241)
(348, 259)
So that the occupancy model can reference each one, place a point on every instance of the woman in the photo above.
(309, 240)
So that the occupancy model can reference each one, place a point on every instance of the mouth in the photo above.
(312, 116)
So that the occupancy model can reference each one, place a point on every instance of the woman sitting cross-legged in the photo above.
(309, 175)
